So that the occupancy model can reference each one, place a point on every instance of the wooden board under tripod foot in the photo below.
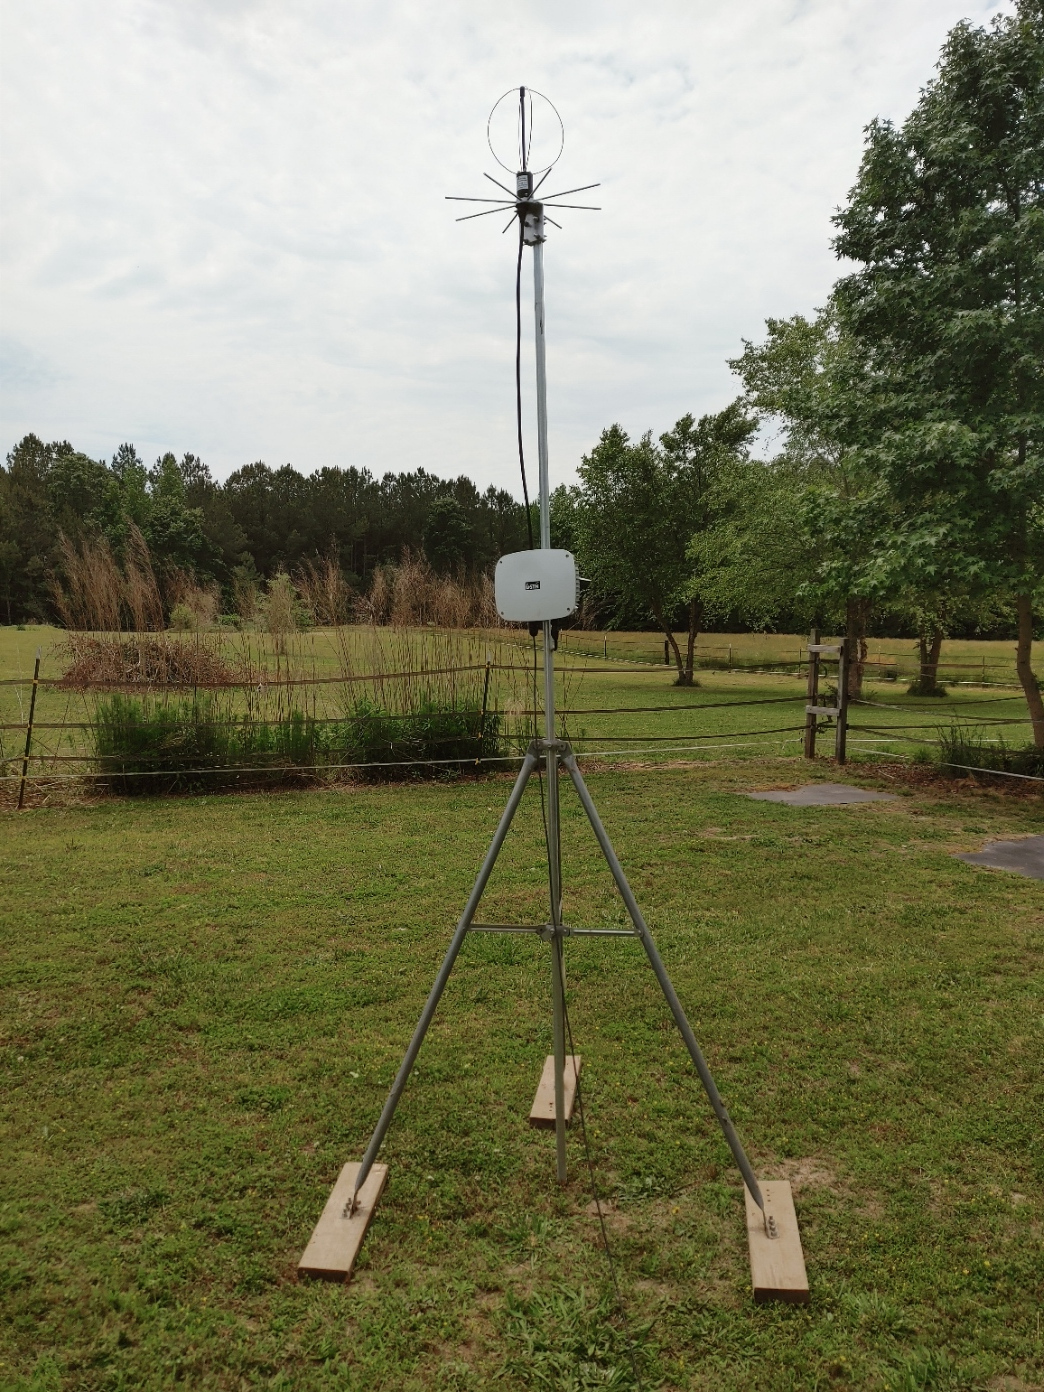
(777, 1264)
(542, 1112)
(335, 1241)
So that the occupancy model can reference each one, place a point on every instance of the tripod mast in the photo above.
(533, 235)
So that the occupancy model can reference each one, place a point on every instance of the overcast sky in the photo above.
(224, 228)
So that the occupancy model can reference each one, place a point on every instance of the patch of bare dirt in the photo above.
(805, 1172)
(614, 1219)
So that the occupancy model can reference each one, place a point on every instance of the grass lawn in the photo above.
(204, 1001)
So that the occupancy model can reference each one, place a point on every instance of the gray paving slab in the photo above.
(822, 795)
(1025, 857)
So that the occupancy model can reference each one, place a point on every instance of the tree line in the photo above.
(258, 523)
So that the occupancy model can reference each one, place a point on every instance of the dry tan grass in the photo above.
(412, 595)
(325, 592)
(97, 595)
(201, 603)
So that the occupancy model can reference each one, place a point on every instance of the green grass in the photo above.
(204, 1000)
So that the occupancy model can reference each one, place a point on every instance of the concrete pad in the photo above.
(1025, 857)
(822, 795)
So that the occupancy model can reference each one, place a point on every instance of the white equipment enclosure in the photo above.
(536, 586)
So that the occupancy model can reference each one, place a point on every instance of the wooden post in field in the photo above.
(841, 735)
(485, 706)
(813, 694)
(29, 732)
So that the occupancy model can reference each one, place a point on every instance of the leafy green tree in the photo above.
(640, 505)
(946, 312)
(28, 532)
(752, 560)
(447, 536)
(808, 376)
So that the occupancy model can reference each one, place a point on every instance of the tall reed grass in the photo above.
(410, 594)
(96, 594)
(411, 694)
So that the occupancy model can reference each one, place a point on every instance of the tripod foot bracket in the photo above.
(777, 1263)
(337, 1237)
(542, 1113)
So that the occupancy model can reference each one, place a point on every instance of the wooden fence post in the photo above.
(485, 707)
(29, 732)
(841, 734)
(813, 695)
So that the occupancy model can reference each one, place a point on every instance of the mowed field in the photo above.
(204, 1001)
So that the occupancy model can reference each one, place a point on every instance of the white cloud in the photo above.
(224, 228)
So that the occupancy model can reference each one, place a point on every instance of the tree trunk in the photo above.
(668, 634)
(1024, 667)
(855, 644)
(695, 615)
(929, 647)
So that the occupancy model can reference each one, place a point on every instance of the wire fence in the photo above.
(38, 766)
(892, 666)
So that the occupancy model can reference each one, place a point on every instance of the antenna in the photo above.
(538, 587)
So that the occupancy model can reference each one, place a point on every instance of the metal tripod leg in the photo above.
(406, 1067)
(554, 864)
(656, 962)
(558, 1025)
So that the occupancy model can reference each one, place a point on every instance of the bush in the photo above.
(149, 747)
(963, 749)
(182, 617)
(406, 745)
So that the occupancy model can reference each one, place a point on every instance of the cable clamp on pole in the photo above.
(552, 746)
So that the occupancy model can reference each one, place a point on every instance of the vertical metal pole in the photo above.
(813, 695)
(29, 731)
(541, 380)
(841, 735)
(551, 755)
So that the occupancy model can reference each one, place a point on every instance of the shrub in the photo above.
(182, 617)
(146, 746)
(149, 747)
(964, 748)
(434, 739)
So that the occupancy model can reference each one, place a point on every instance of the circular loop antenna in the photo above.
(525, 126)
